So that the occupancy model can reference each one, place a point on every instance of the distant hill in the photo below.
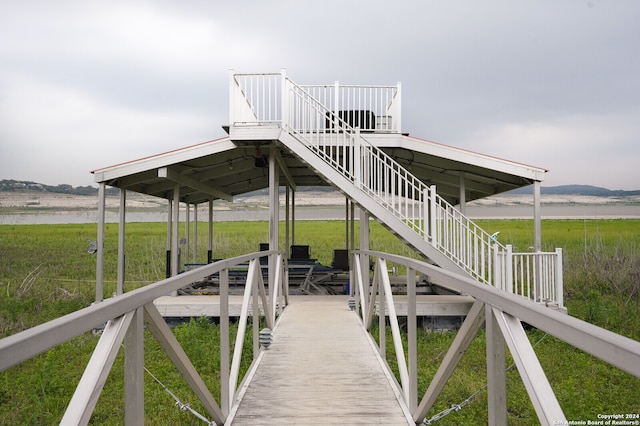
(594, 191)
(11, 185)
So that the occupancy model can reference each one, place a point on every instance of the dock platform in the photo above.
(322, 368)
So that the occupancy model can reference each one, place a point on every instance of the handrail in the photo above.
(22, 346)
(510, 310)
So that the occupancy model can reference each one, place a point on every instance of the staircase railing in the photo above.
(315, 116)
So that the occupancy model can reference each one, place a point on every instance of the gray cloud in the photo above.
(553, 84)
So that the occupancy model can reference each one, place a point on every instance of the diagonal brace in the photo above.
(162, 333)
(466, 334)
(535, 381)
(95, 375)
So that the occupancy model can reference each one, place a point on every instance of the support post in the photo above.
(194, 256)
(412, 335)
(121, 235)
(169, 238)
(225, 397)
(187, 232)
(274, 215)
(175, 248)
(559, 279)
(100, 243)
(537, 226)
(433, 206)
(210, 249)
(134, 371)
(496, 370)
(364, 245)
(357, 159)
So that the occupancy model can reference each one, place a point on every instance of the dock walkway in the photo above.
(322, 368)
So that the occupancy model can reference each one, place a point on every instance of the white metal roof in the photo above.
(221, 169)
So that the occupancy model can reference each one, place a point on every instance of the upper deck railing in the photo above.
(334, 121)
(259, 98)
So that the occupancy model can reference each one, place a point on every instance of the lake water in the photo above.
(551, 211)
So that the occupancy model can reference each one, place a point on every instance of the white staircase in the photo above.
(318, 124)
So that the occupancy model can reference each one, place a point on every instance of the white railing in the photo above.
(500, 312)
(369, 108)
(311, 115)
(536, 276)
(119, 314)
(258, 98)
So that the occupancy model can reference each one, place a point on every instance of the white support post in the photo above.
(134, 371)
(194, 256)
(225, 398)
(364, 258)
(385, 286)
(210, 248)
(187, 233)
(169, 238)
(357, 159)
(121, 235)
(508, 269)
(175, 247)
(412, 335)
(537, 226)
(100, 244)
(274, 215)
(559, 280)
(433, 206)
(496, 370)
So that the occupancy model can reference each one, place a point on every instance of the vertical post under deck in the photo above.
(225, 397)
(194, 256)
(496, 370)
(174, 233)
(537, 227)
(134, 371)
(412, 334)
(121, 234)
(537, 241)
(364, 245)
(100, 243)
(274, 214)
(210, 248)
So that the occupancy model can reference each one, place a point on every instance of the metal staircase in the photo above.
(327, 128)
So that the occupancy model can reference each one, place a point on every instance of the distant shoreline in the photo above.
(49, 208)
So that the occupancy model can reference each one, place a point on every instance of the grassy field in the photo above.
(46, 272)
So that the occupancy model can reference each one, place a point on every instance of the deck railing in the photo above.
(501, 313)
(315, 116)
(120, 313)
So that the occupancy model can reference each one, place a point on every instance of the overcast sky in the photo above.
(551, 83)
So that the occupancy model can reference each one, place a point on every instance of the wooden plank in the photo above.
(321, 369)
(209, 306)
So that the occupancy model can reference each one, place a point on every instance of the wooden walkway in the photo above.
(321, 369)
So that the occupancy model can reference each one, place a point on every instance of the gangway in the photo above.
(322, 368)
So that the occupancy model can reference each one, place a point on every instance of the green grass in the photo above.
(46, 272)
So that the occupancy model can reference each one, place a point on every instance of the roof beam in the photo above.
(165, 172)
